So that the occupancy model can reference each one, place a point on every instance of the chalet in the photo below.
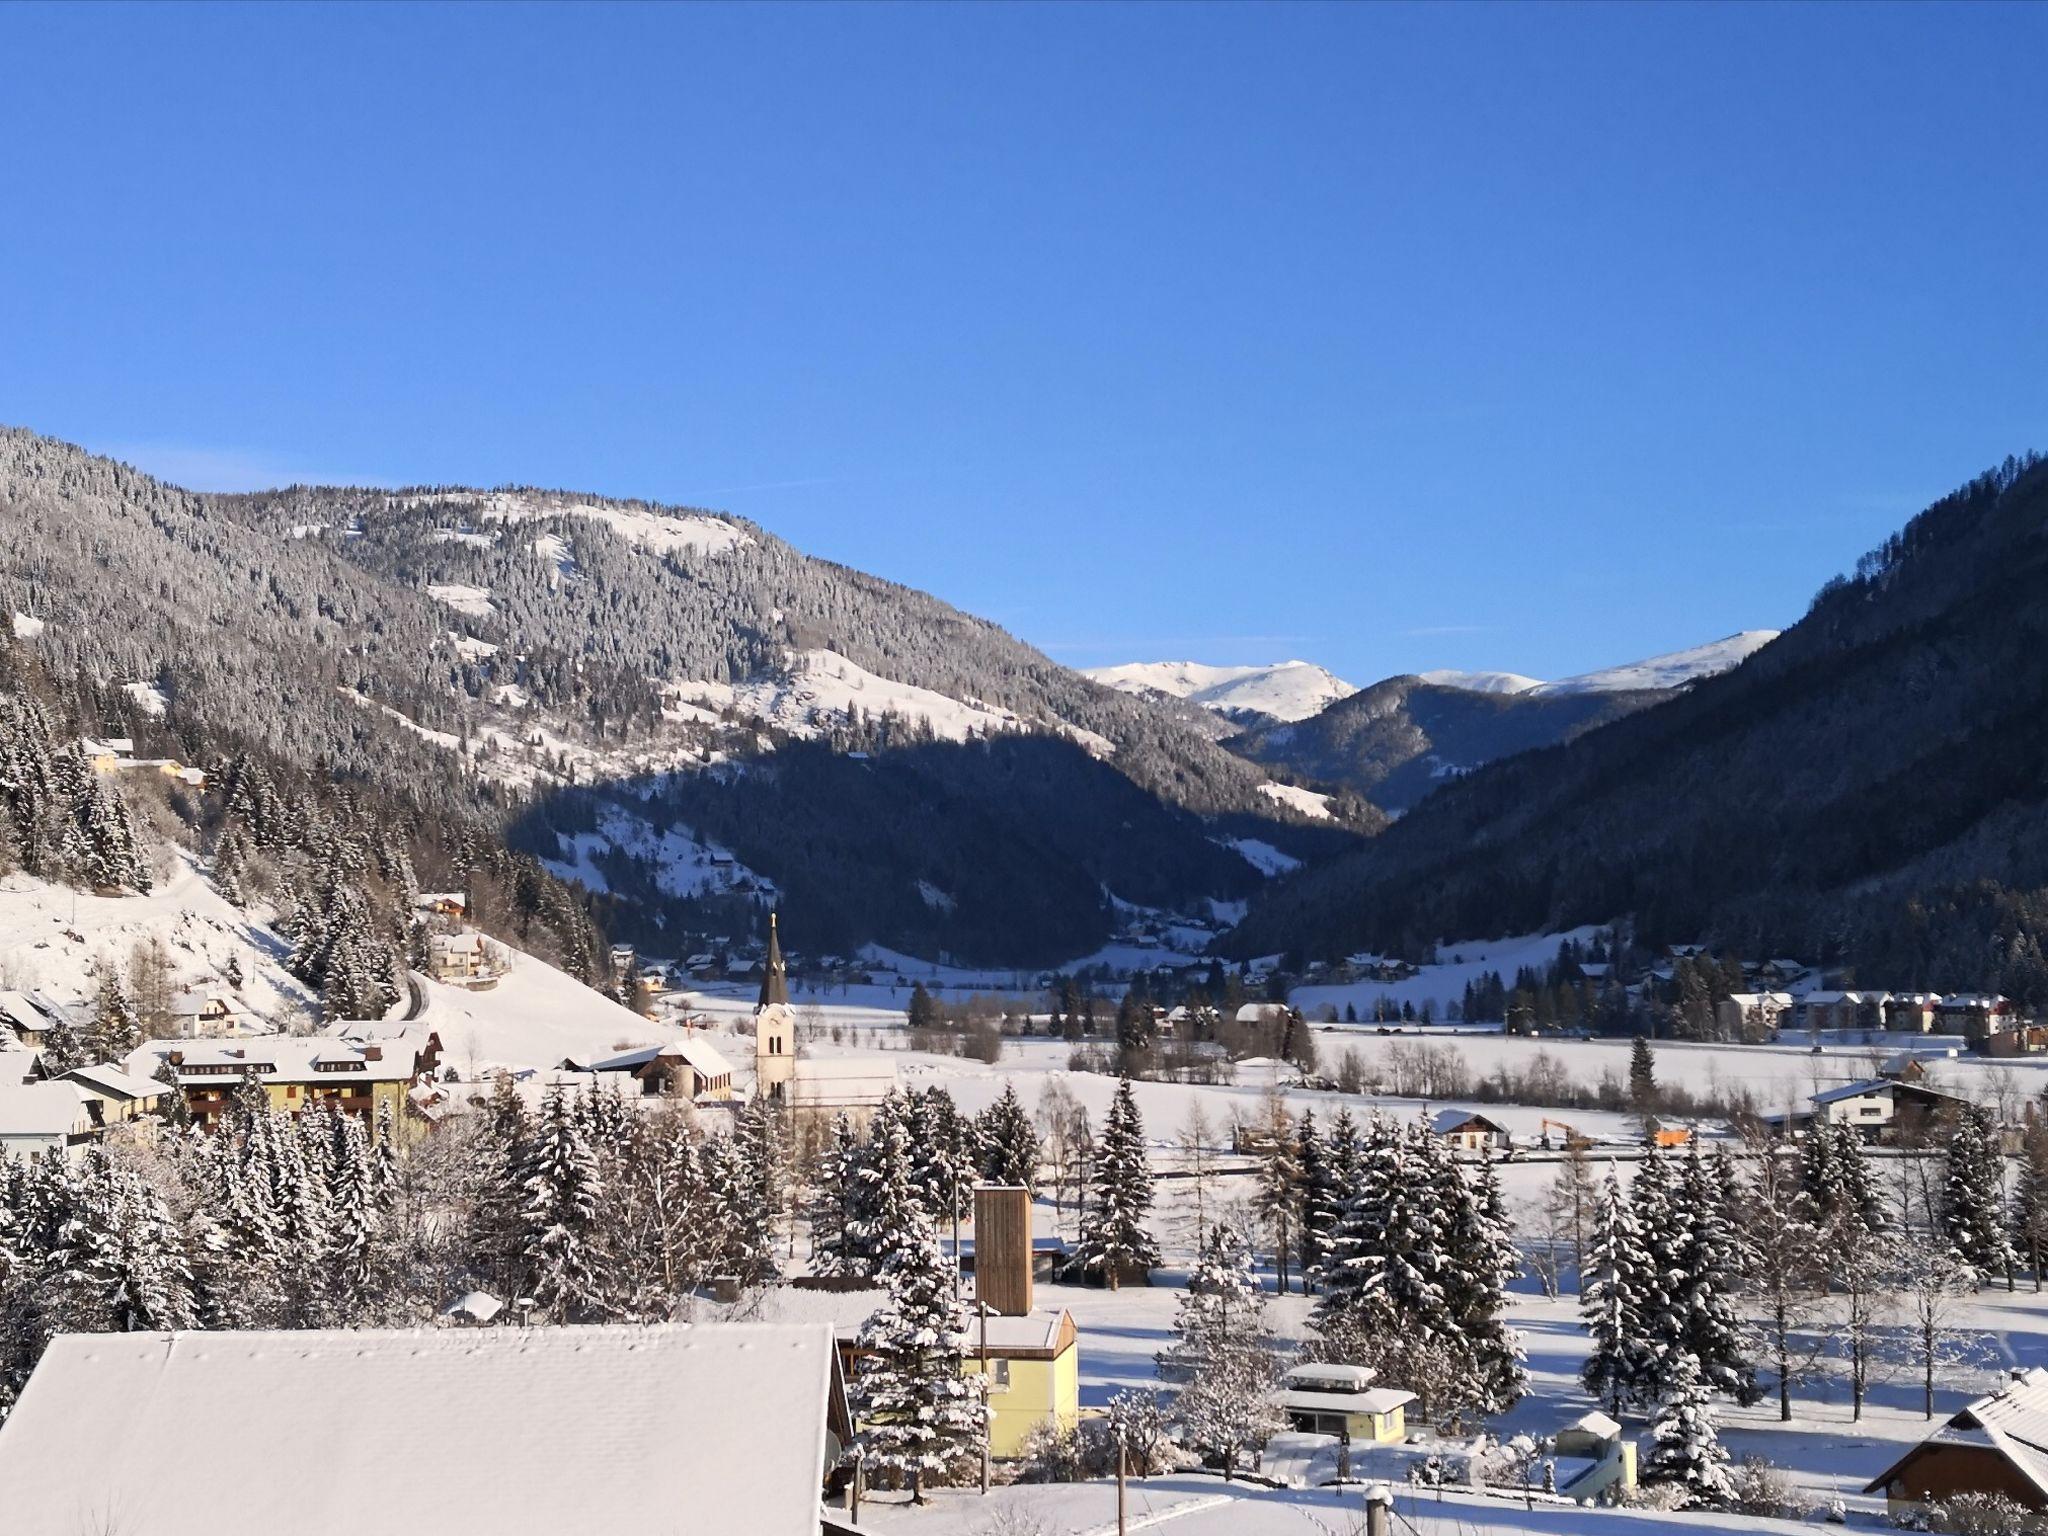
(106, 754)
(718, 1430)
(460, 958)
(1996, 1445)
(1465, 1131)
(1882, 1108)
(203, 1016)
(53, 1118)
(444, 903)
(28, 1016)
(1341, 1400)
(680, 1069)
(122, 1097)
(1753, 1015)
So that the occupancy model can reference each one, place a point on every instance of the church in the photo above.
(814, 1090)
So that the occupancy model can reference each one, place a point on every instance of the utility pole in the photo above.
(1119, 1485)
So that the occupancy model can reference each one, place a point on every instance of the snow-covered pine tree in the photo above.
(1223, 1353)
(1483, 1262)
(355, 1221)
(920, 1417)
(1114, 1241)
(744, 1233)
(2030, 1197)
(944, 1154)
(562, 1189)
(1708, 1275)
(882, 1192)
(1611, 1303)
(830, 1204)
(1321, 1198)
(1837, 1176)
(112, 1032)
(1277, 1195)
(1009, 1144)
(1972, 1208)
(1686, 1449)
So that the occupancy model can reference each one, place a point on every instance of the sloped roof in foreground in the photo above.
(695, 1431)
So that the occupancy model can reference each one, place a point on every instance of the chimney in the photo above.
(373, 1053)
(1002, 1248)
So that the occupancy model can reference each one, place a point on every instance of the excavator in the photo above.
(1575, 1140)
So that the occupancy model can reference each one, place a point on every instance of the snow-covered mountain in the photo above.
(1674, 669)
(1481, 682)
(1284, 691)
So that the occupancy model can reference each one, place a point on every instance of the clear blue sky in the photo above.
(1472, 336)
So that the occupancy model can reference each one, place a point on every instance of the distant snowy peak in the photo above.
(1481, 682)
(1287, 690)
(1672, 670)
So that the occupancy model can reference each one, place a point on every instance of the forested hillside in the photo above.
(1399, 739)
(481, 653)
(1868, 788)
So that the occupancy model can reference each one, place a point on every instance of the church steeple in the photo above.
(774, 974)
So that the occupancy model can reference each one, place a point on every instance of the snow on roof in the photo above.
(23, 1012)
(1372, 1400)
(40, 1110)
(1444, 1121)
(1761, 999)
(531, 1431)
(284, 1058)
(1596, 1423)
(1885, 1085)
(110, 1080)
(2012, 1421)
(1348, 1378)
(701, 1055)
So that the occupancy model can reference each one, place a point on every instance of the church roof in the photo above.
(774, 974)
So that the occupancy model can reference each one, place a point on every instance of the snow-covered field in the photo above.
(1285, 690)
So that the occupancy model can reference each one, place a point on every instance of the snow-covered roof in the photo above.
(111, 1081)
(41, 1111)
(1329, 1376)
(1444, 1121)
(1761, 999)
(1596, 1423)
(532, 1431)
(701, 1055)
(2012, 1421)
(23, 1012)
(1881, 1085)
(1372, 1400)
(284, 1058)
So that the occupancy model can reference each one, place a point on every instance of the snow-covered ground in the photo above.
(1443, 983)
(53, 939)
(1671, 670)
(1306, 801)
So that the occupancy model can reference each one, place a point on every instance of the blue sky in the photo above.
(1462, 336)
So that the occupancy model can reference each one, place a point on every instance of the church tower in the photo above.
(774, 1026)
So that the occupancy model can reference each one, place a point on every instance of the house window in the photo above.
(999, 1375)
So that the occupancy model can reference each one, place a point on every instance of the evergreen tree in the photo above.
(113, 1031)
(919, 1416)
(1009, 1144)
(1114, 1241)
(1610, 1302)
(1972, 1210)
(830, 1206)
(1322, 1200)
(1278, 1195)
(2030, 1197)
(884, 1195)
(1686, 1448)
(561, 1191)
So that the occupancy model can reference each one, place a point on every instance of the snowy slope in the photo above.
(1481, 682)
(1287, 690)
(822, 687)
(1671, 670)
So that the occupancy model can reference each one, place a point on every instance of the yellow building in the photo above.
(1341, 1400)
(369, 1078)
(1034, 1370)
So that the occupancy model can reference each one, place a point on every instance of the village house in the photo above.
(1594, 1458)
(1753, 1015)
(1911, 1012)
(453, 904)
(1340, 1400)
(686, 1069)
(1831, 1010)
(122, 1097)
(1996, 1445)
(368, 1078)
(203, 1016)
(720, 1430)
(1882, 1109)
(1976, 1016)
(49, 1118)
(28, 1016)
(462, 959)
(1463, 1130)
